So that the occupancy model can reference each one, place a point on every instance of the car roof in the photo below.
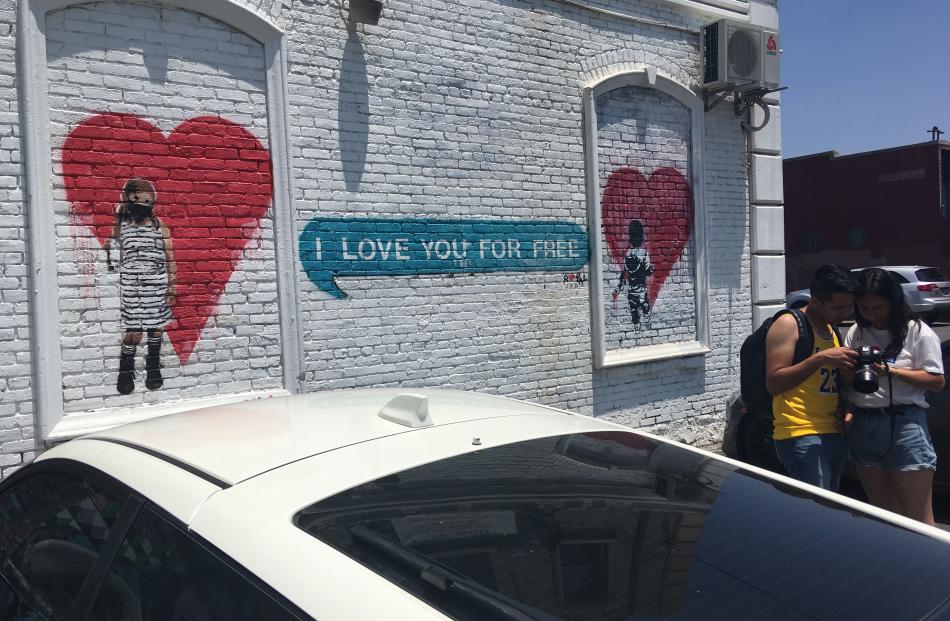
(898, 268)
(272, 458)
(752, 507)
(231, 443)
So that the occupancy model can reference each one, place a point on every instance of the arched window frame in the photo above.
(646, 77)
(46, 355)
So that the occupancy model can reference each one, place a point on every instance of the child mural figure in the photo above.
(636, 269)
(147, 278)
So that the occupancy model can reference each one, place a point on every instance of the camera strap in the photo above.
(890, 409)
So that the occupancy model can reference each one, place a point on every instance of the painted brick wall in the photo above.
(153, 69)
(447, 109)
(474, 109)
(641, 394)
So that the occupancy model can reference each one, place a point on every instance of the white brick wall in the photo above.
(446, 109)
(495, 124)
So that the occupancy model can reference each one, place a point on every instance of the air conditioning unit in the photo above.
(739, 56)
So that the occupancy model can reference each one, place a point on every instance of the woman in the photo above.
(888, 436)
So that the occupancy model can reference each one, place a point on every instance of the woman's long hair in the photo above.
(878, 282)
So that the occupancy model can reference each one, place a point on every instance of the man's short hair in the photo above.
(831, 279)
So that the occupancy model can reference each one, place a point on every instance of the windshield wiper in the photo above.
(445, 579)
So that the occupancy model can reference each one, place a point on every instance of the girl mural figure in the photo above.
(636, 269)
(147, 278)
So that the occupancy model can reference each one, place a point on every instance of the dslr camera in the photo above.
(865, 377)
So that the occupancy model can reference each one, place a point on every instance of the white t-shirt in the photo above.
(921, 351)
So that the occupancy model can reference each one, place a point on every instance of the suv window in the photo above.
(160, 573)
(898, 277)
(52, 528)
(930, 274)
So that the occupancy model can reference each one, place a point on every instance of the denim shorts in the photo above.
(909, 447)
(815, 459)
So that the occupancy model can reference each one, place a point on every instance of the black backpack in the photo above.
(756, 397)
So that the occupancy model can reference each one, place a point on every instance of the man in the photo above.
(805, 404)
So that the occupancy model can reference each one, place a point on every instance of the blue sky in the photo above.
(863, 75)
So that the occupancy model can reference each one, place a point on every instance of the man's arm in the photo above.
(780, 374)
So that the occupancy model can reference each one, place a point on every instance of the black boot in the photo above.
(153, 363)
(126, 382)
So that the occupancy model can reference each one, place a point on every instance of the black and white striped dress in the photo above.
(143, 277)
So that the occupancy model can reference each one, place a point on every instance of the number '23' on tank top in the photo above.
(812, 406)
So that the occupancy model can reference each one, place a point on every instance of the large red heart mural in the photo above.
(663, 203)
(213, 182)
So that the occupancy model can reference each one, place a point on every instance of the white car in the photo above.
(428, 504)
(926, 290)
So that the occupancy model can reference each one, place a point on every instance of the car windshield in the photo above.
(613, 527)
(930, 274)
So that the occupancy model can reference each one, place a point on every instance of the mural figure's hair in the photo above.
(133, 186)
(138, 185)
(635, 230)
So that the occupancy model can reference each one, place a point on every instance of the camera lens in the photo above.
(865, 380)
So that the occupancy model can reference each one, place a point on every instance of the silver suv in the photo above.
(926, 289)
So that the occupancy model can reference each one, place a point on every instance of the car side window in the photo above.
(161, 574)
(52, 528)
(898, 277)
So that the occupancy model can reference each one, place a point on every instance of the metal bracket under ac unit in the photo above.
(743, 98)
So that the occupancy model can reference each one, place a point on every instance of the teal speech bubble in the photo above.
(338, 247)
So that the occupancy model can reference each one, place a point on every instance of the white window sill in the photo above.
(652, 353)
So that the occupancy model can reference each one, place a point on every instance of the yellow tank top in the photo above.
(812, 406)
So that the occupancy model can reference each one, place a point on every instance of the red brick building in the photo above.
(887, 207)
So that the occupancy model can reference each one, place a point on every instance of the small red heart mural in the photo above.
(213, 182)
(663, 203)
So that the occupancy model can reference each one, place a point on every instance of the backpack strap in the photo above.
(805, 346)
